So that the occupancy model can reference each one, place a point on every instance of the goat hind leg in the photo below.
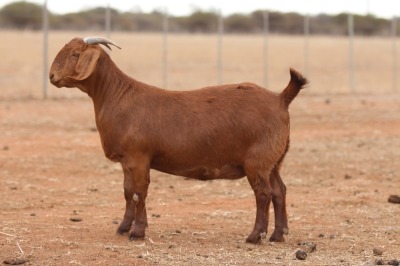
(279, 202)
(262, 191)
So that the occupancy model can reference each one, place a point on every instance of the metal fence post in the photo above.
(351, 52)
(394, 53)
(108, 21)
(306, 43)
(266, 33)
(219, 47)
(165, 49)
(45, 50)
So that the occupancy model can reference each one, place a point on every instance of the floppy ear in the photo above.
(86, 64)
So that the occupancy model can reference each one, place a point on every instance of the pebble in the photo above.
(347, 176)
(394, 199)
(386, 262)
(380, 262)
(75, 219)
(16, 261)
(377, 251)
(301, 255)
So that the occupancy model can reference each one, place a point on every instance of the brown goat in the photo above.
(218, 132)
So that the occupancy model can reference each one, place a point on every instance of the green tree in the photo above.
(201, 21)
(239, 23)
(21, 15)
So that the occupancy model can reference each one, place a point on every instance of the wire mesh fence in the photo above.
(333, 64)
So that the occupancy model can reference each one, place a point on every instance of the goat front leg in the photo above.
(130, 208)
(141, 181)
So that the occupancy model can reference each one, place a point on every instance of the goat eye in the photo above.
(75, 54)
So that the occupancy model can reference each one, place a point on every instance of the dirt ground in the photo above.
(342, 166)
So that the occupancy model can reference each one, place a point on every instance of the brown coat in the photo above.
(218, 132)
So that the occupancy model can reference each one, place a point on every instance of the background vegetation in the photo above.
(24, 15)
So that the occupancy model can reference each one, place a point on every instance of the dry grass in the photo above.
(192, 61)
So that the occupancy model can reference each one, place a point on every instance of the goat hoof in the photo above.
(276, 238)
(123, 228)
(136, 234)
(121, 232)
(277, 235)
(135, 238)
(253, 238)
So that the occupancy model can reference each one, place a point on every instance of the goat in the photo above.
(217, 132)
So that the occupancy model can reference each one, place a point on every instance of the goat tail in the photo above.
(296, 83)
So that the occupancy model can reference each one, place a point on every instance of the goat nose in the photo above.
(51, 76)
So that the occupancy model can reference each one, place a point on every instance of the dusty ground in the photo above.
(341, 169)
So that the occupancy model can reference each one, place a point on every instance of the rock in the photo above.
(394, 199)
(387, 262)
(16, 261)
(75, 219)
(377, 251)
(308, 246)
(301, 255)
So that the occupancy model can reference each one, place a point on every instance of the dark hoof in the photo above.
(123, 228)
(277, 235)
(121, 232)
(135, 238)
(276, 239)
(254, 238)
(136, 234)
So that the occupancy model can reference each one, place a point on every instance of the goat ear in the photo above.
(86, 64)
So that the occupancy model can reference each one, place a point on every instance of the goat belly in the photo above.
(228, 171)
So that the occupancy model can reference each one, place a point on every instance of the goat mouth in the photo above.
(56, 82)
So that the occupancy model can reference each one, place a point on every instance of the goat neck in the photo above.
(108, 83)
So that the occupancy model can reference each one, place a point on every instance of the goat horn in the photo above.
(100, 40)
